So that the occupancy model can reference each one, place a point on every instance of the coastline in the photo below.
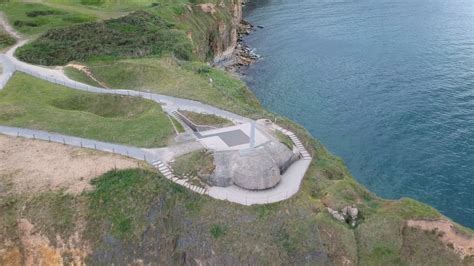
(262, 90)
(242, 55)
(300, 230)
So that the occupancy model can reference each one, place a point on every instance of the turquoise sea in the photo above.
(387, 85)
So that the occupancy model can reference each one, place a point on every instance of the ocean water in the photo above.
(387, 85)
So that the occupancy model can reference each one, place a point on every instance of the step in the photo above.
(168, 173)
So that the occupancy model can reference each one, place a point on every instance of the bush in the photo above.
(92, 2)
(21, 23)
(37, 13)
(136, 35)
(217, 231)
(6, 40)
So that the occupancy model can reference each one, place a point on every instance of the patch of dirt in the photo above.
(208, 8)
(10, 256)
(463, 245)
(37, 249)
(34, 165)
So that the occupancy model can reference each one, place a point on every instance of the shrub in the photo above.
(22, 23)
(37, 13)
(92, 2)
(6, 40)
(136, 35)
(217, 231)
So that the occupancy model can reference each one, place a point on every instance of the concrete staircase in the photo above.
(168, 173)
(304, 153)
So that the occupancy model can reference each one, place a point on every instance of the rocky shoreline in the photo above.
(243, 55)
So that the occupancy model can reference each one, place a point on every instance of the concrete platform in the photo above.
(231, 138)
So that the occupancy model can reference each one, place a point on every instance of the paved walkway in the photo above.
(288, 186)
(133, 152)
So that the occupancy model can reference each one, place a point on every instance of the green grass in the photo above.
(52, 213)
(114, 204)
(20, 17)
(217, 231)
(177, 125)
(198, 163)
(284, 139)
(78, 75)
(32, 103)
(6, 39)
(383, 245)
(137, 34)
(206, 119)
(56, 217)
(177, 78)
(185, 15)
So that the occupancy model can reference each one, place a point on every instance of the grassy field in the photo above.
(35, 18)
(33, 103)
(169, 76)
(78, 75)
(194, 164)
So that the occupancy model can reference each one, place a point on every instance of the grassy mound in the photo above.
(135, 35)
(33, 103)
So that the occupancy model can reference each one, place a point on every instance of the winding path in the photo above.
(54, 75)
(291, 179)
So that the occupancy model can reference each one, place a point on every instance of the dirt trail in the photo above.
(6, 26)
(88, 73)
(34, 165)
(462, 244)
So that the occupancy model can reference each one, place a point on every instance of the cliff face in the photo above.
(224, 45)
(213, 28)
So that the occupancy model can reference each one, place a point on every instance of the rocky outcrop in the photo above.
(348, 215)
